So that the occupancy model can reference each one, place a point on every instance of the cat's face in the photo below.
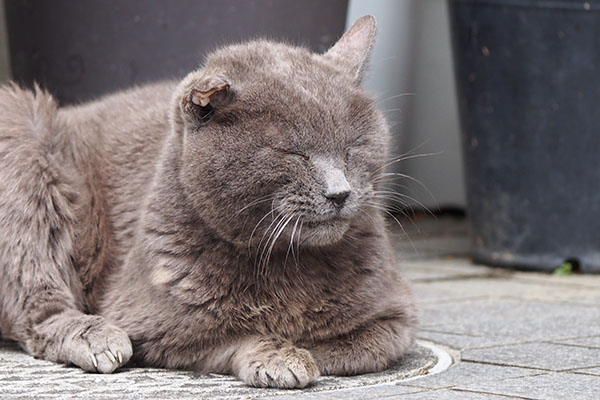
(280, 146)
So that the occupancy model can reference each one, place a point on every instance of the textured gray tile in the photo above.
(450, 395)
(427, 227)
(468, 372)
(592, 341)
(437, 247)
(372, 392)
(509, 318)
(443, 269)
(428, 238)
(500, 287)
(557, 386)
(589, 371)
(548, 356)
(462, 341)
(588, 281)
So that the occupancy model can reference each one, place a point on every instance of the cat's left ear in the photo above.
(352, 51)
(204, 95)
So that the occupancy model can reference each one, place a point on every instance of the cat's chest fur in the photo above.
(298, 300)
(207, 298)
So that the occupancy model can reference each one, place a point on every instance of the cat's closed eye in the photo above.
(349, 153)
(292, 152)
(353, 148)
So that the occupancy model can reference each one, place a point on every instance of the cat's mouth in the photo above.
(329, 217)
(324, 221)
(325, 231)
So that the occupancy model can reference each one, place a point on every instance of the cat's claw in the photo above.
(106, 361)
(111, 356)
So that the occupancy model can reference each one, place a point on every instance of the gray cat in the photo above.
(227, 223)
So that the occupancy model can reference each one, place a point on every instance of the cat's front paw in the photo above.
(285, 368)
(95, 345)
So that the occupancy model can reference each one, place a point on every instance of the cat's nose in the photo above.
(338, 198)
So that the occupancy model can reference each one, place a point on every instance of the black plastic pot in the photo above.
(528, 80)
(80, 49)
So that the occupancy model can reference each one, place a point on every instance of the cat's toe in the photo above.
(291, 368)
(301, 366)
(112, 351)
(97, 346)
(107, 362)
(119, 345)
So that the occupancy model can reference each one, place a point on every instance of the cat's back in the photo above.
(129, 123)
(119, 138)
(121, 131)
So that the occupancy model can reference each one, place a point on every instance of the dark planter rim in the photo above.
(586, 6)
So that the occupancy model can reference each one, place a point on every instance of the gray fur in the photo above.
(226, 223)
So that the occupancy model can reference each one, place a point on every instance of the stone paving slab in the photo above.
(451, 395)
(548, 356)
(591, 341)
(557, 386)
(365, 393)
(414, 249)
(588, 371)
(469, 372)
(425, 226)
(574, 281)
(461, 341)
(500, 287)
(512, 318)
(434, 270)
(425, 238)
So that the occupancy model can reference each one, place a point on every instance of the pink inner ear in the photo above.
(202, 99)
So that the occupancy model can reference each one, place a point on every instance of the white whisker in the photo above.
(291, 245)
(406, 157)
(386, 194)
(298, 243)
(280, 219)
(394, 97)
(259, 222)
(379, 207)
(279, 232)
(383, 178)
(253, 203)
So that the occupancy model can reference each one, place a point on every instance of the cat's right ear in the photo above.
(205, 95)
(352, 51)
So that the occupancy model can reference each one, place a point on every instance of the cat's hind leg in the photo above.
(41, 302)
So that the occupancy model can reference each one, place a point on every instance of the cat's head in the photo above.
(280, 145)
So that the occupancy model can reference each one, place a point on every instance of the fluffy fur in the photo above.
(226, 223)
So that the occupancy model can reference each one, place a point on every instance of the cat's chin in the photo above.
(325, 233)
